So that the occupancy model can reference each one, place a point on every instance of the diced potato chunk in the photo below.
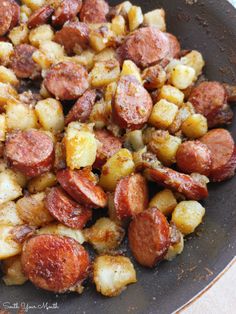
(41, 59)
(101, 113)
(6, 51)
(165, 201)
(171, 94)
(8, 247)
(118, 166)
(25, 13)
(34, 4)
(7, 93)
(104, 73)
(163, 114)
(175, 249)
(62, 230)
(195, 60)
(195, 126)
(9, 188)
(105, 235)
(8, 76)
(187, 216)
(101, 36)
(9, 215)
(134, 140)
(112, 274)
(53, 51)
(3, 127)
(184, 112)
(40, 34)
(155, 18)
(110, 91)
(118, 25)
(105, 55)
(13, 273)
(19, 35)
(182, 76)
(32, 210)
(130, 68)
(44, 92)
(86, 58)
(40, 183)
(135, 17)
(20, 178)
(123, 8)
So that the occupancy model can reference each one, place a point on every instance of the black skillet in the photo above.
(209, 26)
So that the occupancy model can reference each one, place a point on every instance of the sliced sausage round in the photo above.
(80, 185)
(132, 104)
(222, 147)
(149, 237)
(65, 210)
(30, 152)
(66, 80)
(194, 156)
(71, 35)
(174, 49)
(6, 16)
(15, 8)
(135, 47)
(94, 11)
(40, 16)
(66, 11)
(22, 63)
(54, 263)
(131, 196)
(109, 145)
(82, 108)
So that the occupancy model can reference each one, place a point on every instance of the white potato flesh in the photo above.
(13, 273)
(9, 188)
(8, 247)
(9, 215)
(155, 18)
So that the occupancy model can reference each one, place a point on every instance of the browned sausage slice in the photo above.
(15, 8)
(222, 147)
(109, 145)
(231, 92)
(135, 47)
(194, 156)
(132, 104)
(131, 196)
(149, 237)
(66, 11)
(22, 63)
(179, 182)
(174, 49)
(40, 16)
(54, 263)
(30, 152)
(67, 211)
(6, 16)
(73, 34)
(79, 184)
(82, 108)
(94, 11)
(66, 80)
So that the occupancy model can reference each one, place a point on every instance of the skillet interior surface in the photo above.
(208, 26)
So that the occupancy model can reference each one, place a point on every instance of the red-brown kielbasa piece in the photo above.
(132, 104)
(22, 63)
(65, 210)
(30, 152)
(54, 263)
(174, 49)
(179, 182)
(71, 35)
(109, 145)
(135, 47)
(131, 196)
(222, 147)
(66, 11)
(82, 108)
(149, 237)
(79, 184)
(66, 80)
(40, 16)
(194, 156)
(94, 11)
(15, 8)
(6, 16)
(231, 92)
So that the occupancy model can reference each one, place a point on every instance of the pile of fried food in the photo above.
(135, 105)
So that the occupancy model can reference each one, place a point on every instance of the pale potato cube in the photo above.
(123, 8)
(40, 183)
(3, 165)
(7, 93)
(50, 114)
(101, 113)
(118, 25)
(59, 229)
(155, 18)
(19, 34)
(9, 215)
(165, 201)
(163, 114)
(32, 210)
(118, 166)
(97, 235)
(112, 274)
(182, 76)
(175, 249)
(135, 17)
(134, 140)
(34, 4)
(105, 55)
(110, 91)
(184, 112)
(53, 51)
(104, 73)
(25, 13)
(40, 34)
(20, 178)
(13, 273)
(8, 76)
(130, 68)
(3, 127)
(20, 116)
(101, 36)
(86, 58)
(9, 188)
(44, 92)
(171, 94)
(195, 126)
(195, 60)
(8, 247)
(6, 51)
(187, 215)
(42, 60)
